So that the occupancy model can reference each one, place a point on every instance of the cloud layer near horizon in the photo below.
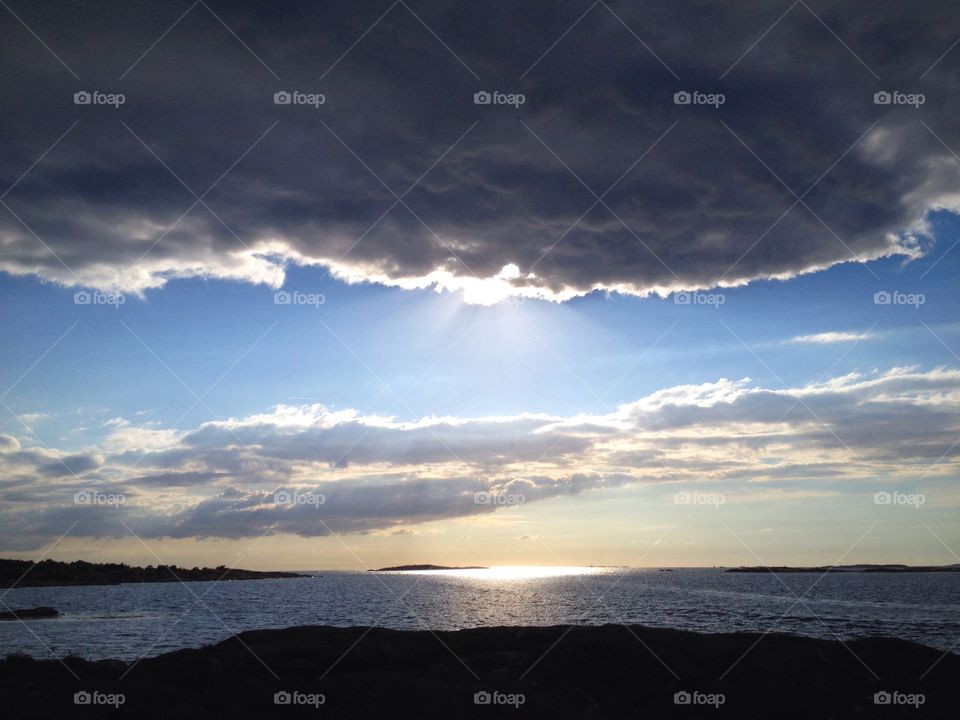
(690, 203)
(856, 433)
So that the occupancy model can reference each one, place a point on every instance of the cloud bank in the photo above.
(310, 471)
(599, 180)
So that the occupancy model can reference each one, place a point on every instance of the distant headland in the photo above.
(401, 568)
(849, 569)
(49, 573)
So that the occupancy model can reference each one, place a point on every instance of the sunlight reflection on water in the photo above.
(127, 621)
(512, 572)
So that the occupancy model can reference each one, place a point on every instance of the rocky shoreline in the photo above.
(610, 671)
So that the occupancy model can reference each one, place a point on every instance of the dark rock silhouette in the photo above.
(48, 573)
(28, 613)
(847, 568)
(585, 672)
(395, 568)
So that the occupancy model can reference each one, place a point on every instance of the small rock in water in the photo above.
(29, 613)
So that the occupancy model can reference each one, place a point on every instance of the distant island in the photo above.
(395, 568)
(50, 573)
(849, 569)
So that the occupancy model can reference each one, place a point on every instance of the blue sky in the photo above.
(618, 322)
(532, 356)
(442, 357)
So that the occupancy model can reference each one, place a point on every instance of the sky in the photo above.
(354, 285)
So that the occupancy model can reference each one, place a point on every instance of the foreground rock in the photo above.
(28, 613)
(589, 672)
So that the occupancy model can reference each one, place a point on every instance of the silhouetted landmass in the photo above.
(51, 572)
(28, 613)
(426, 567)
(849, 569)
(611, 671)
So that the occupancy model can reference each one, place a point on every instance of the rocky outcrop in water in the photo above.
(29, 613)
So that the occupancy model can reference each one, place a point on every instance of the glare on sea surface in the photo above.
(515, 572)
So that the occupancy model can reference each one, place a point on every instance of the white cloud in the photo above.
(378, 473)
(833, 337)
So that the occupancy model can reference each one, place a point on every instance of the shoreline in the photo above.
(79, 573)
(560, 672)
(426, 567)
(849, 569)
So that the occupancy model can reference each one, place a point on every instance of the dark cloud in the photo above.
(178, 479)
(489, 183)
(491, 442)
(70, 465)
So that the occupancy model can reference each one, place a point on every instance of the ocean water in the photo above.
(130, 621)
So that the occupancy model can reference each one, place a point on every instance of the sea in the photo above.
(131, 621)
